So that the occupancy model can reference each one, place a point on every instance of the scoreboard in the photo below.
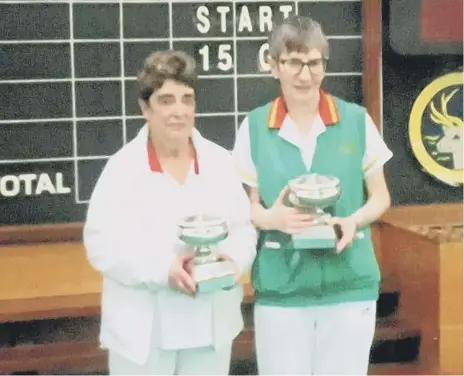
(69, 93)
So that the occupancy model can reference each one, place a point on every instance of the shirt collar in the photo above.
(155, 165)
(289, 132)
(327, 110)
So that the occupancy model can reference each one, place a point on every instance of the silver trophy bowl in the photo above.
(202, 232)
(209, 270)
(314, 192)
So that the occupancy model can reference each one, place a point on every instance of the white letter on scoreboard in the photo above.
(265, 18)
(60, 187)
(244, 20)
(203, 24)
(286, 10)
(223, 10)
(27, 179)
(10, 186)
(263, 65)
(44, 184)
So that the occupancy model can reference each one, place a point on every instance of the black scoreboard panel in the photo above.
(69, 95)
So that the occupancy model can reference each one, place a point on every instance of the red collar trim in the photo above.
(155, 165)
(327, 109)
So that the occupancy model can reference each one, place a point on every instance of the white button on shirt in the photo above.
(375, 156)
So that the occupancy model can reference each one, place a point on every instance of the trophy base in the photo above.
(214, 276)
(315, 238)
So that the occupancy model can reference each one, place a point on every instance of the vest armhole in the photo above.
(257, 124)
(359, 114)
(252, 134)
(362, 127)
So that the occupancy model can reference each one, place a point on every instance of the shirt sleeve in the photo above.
(117, 242)
(242, 156)
(376, 153)
(240, 245)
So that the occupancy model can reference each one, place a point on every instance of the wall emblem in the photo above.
(436, 128)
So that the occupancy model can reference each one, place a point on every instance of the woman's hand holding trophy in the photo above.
(290, 220)
(346, 231)
(180, 277)
(206, 269)
(311, 228)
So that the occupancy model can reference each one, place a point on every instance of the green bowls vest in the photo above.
(287, 277)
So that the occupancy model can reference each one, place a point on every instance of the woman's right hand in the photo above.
(286, 219)
(180, 277)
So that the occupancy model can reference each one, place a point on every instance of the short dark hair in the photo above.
(165, 65)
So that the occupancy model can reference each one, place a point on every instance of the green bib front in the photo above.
(282, 276)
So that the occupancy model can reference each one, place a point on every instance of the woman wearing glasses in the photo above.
(314, 314)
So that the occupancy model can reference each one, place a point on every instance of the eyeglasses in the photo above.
(295, 66)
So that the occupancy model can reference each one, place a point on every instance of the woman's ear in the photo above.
(274, 67)
(144, 107)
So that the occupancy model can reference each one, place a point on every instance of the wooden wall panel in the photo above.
(372, 69)
(422, 246)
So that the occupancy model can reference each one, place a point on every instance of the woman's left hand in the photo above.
(348, 228)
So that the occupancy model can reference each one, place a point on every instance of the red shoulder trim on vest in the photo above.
(327, 109)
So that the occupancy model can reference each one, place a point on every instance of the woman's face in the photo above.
(170, 111)
(300, 74)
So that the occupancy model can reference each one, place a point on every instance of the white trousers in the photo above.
(322, 340)
(199, 361)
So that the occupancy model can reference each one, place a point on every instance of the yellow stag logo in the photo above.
(451, 142)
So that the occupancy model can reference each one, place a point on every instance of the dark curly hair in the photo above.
(165, 65)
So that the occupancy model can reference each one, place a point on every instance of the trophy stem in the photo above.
(203, 250)
(204, 254)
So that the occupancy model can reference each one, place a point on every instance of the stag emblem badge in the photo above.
(436, 128)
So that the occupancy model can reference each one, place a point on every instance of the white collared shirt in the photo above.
(131, 239)
(376, 152)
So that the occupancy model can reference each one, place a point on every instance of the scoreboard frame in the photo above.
(372, 93)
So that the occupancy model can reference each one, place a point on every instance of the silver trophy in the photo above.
(204, 233)
(312, 193)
